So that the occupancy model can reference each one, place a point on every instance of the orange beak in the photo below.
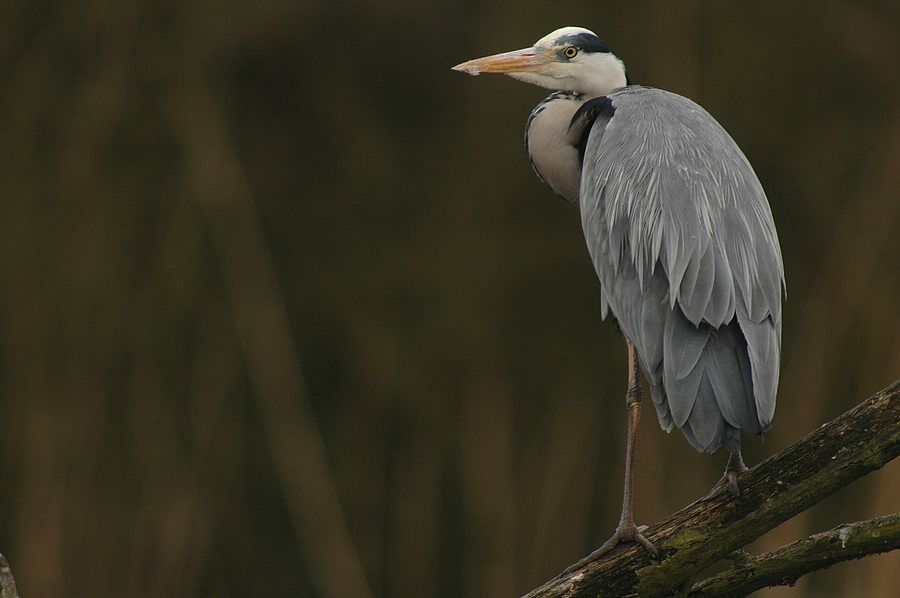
(518, 61)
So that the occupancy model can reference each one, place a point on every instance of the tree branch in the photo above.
(829, 458)
(787, 564)
(7, 583)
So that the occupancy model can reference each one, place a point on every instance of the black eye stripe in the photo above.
(586, 42)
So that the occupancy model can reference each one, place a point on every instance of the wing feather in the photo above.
(683, 241)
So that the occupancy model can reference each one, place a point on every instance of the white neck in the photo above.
(606, 74)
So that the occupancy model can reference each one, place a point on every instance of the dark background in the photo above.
(285, 312)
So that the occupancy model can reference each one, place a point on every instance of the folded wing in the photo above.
(683, 241)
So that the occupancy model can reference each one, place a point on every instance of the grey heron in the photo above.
(681, 237)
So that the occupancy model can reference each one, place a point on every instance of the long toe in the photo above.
(640, 539)
(622, 534)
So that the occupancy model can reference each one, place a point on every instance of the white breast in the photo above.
(554, 157)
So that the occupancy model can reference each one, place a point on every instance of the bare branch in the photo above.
(826, 460)
(787, 564)
(7, 583)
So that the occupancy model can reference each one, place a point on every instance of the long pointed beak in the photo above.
(518, 61)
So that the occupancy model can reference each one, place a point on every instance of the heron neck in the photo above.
(607, 74)
(554, 159)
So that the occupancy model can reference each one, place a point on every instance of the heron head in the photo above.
(569, 59)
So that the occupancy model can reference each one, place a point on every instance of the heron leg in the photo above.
(733, 469)
(626, 531)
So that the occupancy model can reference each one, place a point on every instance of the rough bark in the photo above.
(787, 564)
(829, 458)
(7, 583)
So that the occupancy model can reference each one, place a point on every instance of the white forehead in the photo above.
(549, 39)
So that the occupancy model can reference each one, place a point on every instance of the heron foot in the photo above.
(624, 533)
(730, 480)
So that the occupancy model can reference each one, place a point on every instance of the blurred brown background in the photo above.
(285, 312)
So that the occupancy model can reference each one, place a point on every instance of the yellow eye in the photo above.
(570, 52)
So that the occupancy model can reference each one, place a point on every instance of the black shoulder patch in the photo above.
(584, 119)
(587, 42)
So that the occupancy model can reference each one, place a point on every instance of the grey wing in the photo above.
(683, 241)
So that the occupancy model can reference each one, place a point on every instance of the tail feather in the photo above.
(764, 351)
(708, 384)
(705, 421)
(711, 379)
(658, 394)
(728, 366)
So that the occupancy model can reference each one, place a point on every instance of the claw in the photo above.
(623, 534)
(646, 543)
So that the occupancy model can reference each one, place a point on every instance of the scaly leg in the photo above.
(627, 531)
(733, 469)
